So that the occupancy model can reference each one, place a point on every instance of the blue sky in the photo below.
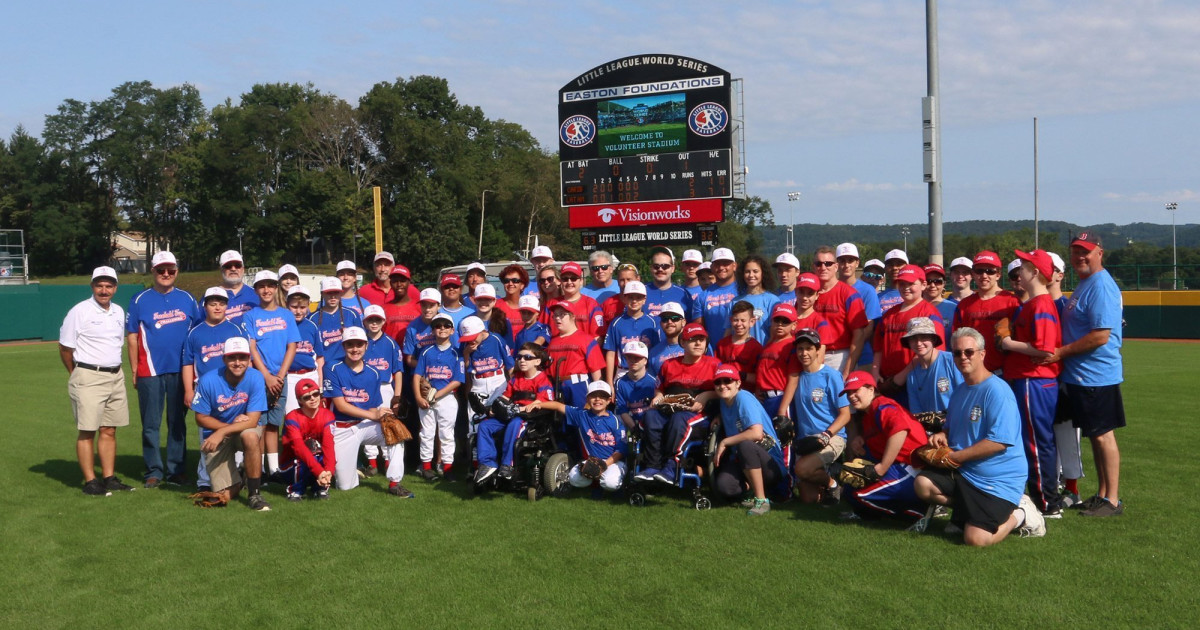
(832, 89)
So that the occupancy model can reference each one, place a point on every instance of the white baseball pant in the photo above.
(385, 393)
(439, 418)
(347, 441)
(610, 479)
(836, 358)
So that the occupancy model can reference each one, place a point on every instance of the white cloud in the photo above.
(853, 185)
(1153, 197)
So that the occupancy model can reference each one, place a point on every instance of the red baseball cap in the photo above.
(934, 268)
(1040, 259)
(305, 386)
(1087, 239)
(571, 267)
(857, 380)
(552, 304)
(451, 279)
(986, 258)
(693, 330)
(808, 281)
(910, 274)
(726, 371)
(400, 270)
(784, 310)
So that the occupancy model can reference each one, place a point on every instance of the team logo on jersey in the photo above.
(708, 119)
(606, 214)
(577, 131)
(818, 395)
(976, 413)
(943, 385)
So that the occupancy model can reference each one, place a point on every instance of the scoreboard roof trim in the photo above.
(665, 66)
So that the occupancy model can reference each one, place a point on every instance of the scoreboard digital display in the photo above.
(661, 177)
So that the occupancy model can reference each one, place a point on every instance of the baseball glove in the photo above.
(504, 409)
(784, 428)
(592, 468)
(208, 499)
(810, 444)
(932, 421)
(475, 400)
(936, 456)
(427, 390)
(394, 431)
(858, 473)
(314, 446)
(1003, 330)
(672, 403)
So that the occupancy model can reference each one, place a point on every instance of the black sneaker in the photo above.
(505, 472)
(258, 504)
(294, 497)
(368, 471)
(96, 488)
(483, 473)
(428, 475)
(322, 494)
(177, 479)
(449, 476)
(1104, 508)
(151, 483)
(1088, 503)
(831, 496)
(396, 489)
(112, 484)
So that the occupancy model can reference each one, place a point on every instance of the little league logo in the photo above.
(708, 119)
(976, 413)
(577, 131)
(943, 385)
(818, 395)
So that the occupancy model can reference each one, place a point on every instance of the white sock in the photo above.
(1020, 514)
(272, 462)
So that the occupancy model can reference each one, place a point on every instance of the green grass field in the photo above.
(148, 559)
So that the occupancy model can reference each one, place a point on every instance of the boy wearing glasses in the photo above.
(241, 297)
(308, 448)
(990, 304)
(442, 366)
(671, 322)
(663, 290)
(935, 291)
(156, 326)
(528, 383)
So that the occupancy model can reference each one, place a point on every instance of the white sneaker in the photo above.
(1035, 523)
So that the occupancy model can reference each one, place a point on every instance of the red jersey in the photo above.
(815, 321)
(775, 363)
(373, 294)
(743, 355)
(513, 314)
(1037, 324)
(297, 428)
(675, 376)
(885, 418)
(893, 353)
(982, 315)
(399, 316)
(576, 353)
(842, 308)
(588, 316)
(526, 390)
(612, 308)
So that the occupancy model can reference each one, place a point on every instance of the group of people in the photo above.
(289, 386)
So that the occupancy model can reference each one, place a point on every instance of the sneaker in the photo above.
(1053, 510)
(748, 502)
(203, 488)
(850, 516)
(646, 474)
(112, 484)
(395, 489)
(941, 511)
(428, 475)
(322, 493)
(922, 523)
(666, 475)
(483, 473)
(761, 507)
(1105, 508)
(505, 472)
(258, 504)
(151, 483)
(952, 529)
(448, 476)
(178, 479)
(831, 496)
(294, 497)
(1035, 525)
(367, 471)
(1070, 500)
(1088, 503)
(96, 488)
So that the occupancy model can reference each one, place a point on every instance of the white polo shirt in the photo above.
(97, 335)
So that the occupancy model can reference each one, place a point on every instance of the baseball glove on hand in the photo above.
(1003, 330)
(858, 473)
(936, 456)
(676, 402)
(592, 468)
(810, 444)
(314, 446)
(427, 390)
(208, 499)
(932, 421)
(394, 431)
(785, 429)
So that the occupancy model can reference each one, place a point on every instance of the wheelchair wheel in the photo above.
(554, 477)
(637, 499)
(702, 503)
(532, 494)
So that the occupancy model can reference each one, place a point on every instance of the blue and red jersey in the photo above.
(360, 388)
(298, 427)
(204, 348)
(1037, 324)
(440, 366)
(161, 322)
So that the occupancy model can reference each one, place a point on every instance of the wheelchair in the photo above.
(694, 473)
(540, 458)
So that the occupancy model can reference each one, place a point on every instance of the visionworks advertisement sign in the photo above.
(648, 213)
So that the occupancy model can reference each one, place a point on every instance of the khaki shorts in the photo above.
(98, 399)
(830, 453)
(222, 463)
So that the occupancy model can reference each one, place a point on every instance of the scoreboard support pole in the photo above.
(378, 219)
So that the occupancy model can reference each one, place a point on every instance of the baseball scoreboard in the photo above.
(662, 177)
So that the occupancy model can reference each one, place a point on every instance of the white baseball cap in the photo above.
(104, 272)
(299, 290)
(236, 345)
(635, 348)
(485, 290)
(353, 333)
(477, 267)
(692, 255)
(787, 259)
(385, 256)
(331, 285)
(896, 254)
(541, 251)
(430, 295)
(163, 258)
(672, 307)
(1057, 261)
(346, 265)
(264, 275)
(470, 328)
(1015, 264)
(374, 310)
(723, 253)
(286, 269)
(657, 249)
(215, 292)
(874, 262)
(962, 261)
(444, 316)
(634, 287)
(847, 249)
(704, 266)
(529, 303)
(229, 256)
(599, 387)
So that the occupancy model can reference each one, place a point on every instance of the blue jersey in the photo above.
(161, 322)
(457, 315)
(357, 304)
(988, 411)
(306, 349)
(818, 401)
(656, 298)
(787, 297)
(440, 366)
(240, 303)
(929, 389)
(271, 331)
(744, 412)
(329, 327)
(602, 293)
(215, 397)
(531, 333)
(870, 300)
(712, 309)
(694, 293)
(205, 345)
(634, 395)
(662, 353)
(946, 309)
(360, 388)
(600, 436)
(417, 337)
(383, 354)
(1095, 305)
(763, 304)
(887, 300)
(624, 329)
(492, 355)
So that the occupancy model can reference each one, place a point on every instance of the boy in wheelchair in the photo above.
(503, 421)
(601, 436)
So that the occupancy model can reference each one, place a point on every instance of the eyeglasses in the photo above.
(547, 279)
(695, 339)
(987, 271)
(526, 357)
(661, 267)
(824, 263)
(672, 318)
(166, 271)
(723, 382)
(601, 267)
(452, 287)
(937, 281)
(442, 325)
(232, 265)
(513, 280)
(559, 314)
(310, 396)
(570, 278)
(871, 275)
(969, 352)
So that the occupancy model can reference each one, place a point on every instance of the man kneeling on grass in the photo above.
(601, 434)
(983, 476)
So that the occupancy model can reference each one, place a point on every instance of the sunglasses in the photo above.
(723, 382)
(872, 275)
(938, 281)
(560, 313)
(310, 396)
(970, 352)
(672, 318)
(824, 263)
(547, 279)
(513, 280)
(989, 271)
(661, 267)
(232, 265)
(165, 271)
(601, 267)
(570, 278)
(442, 325)
(526, 357)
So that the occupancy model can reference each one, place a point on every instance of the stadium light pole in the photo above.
(904, 233)
(1172, 207)
(482, 210)
(791, 238)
